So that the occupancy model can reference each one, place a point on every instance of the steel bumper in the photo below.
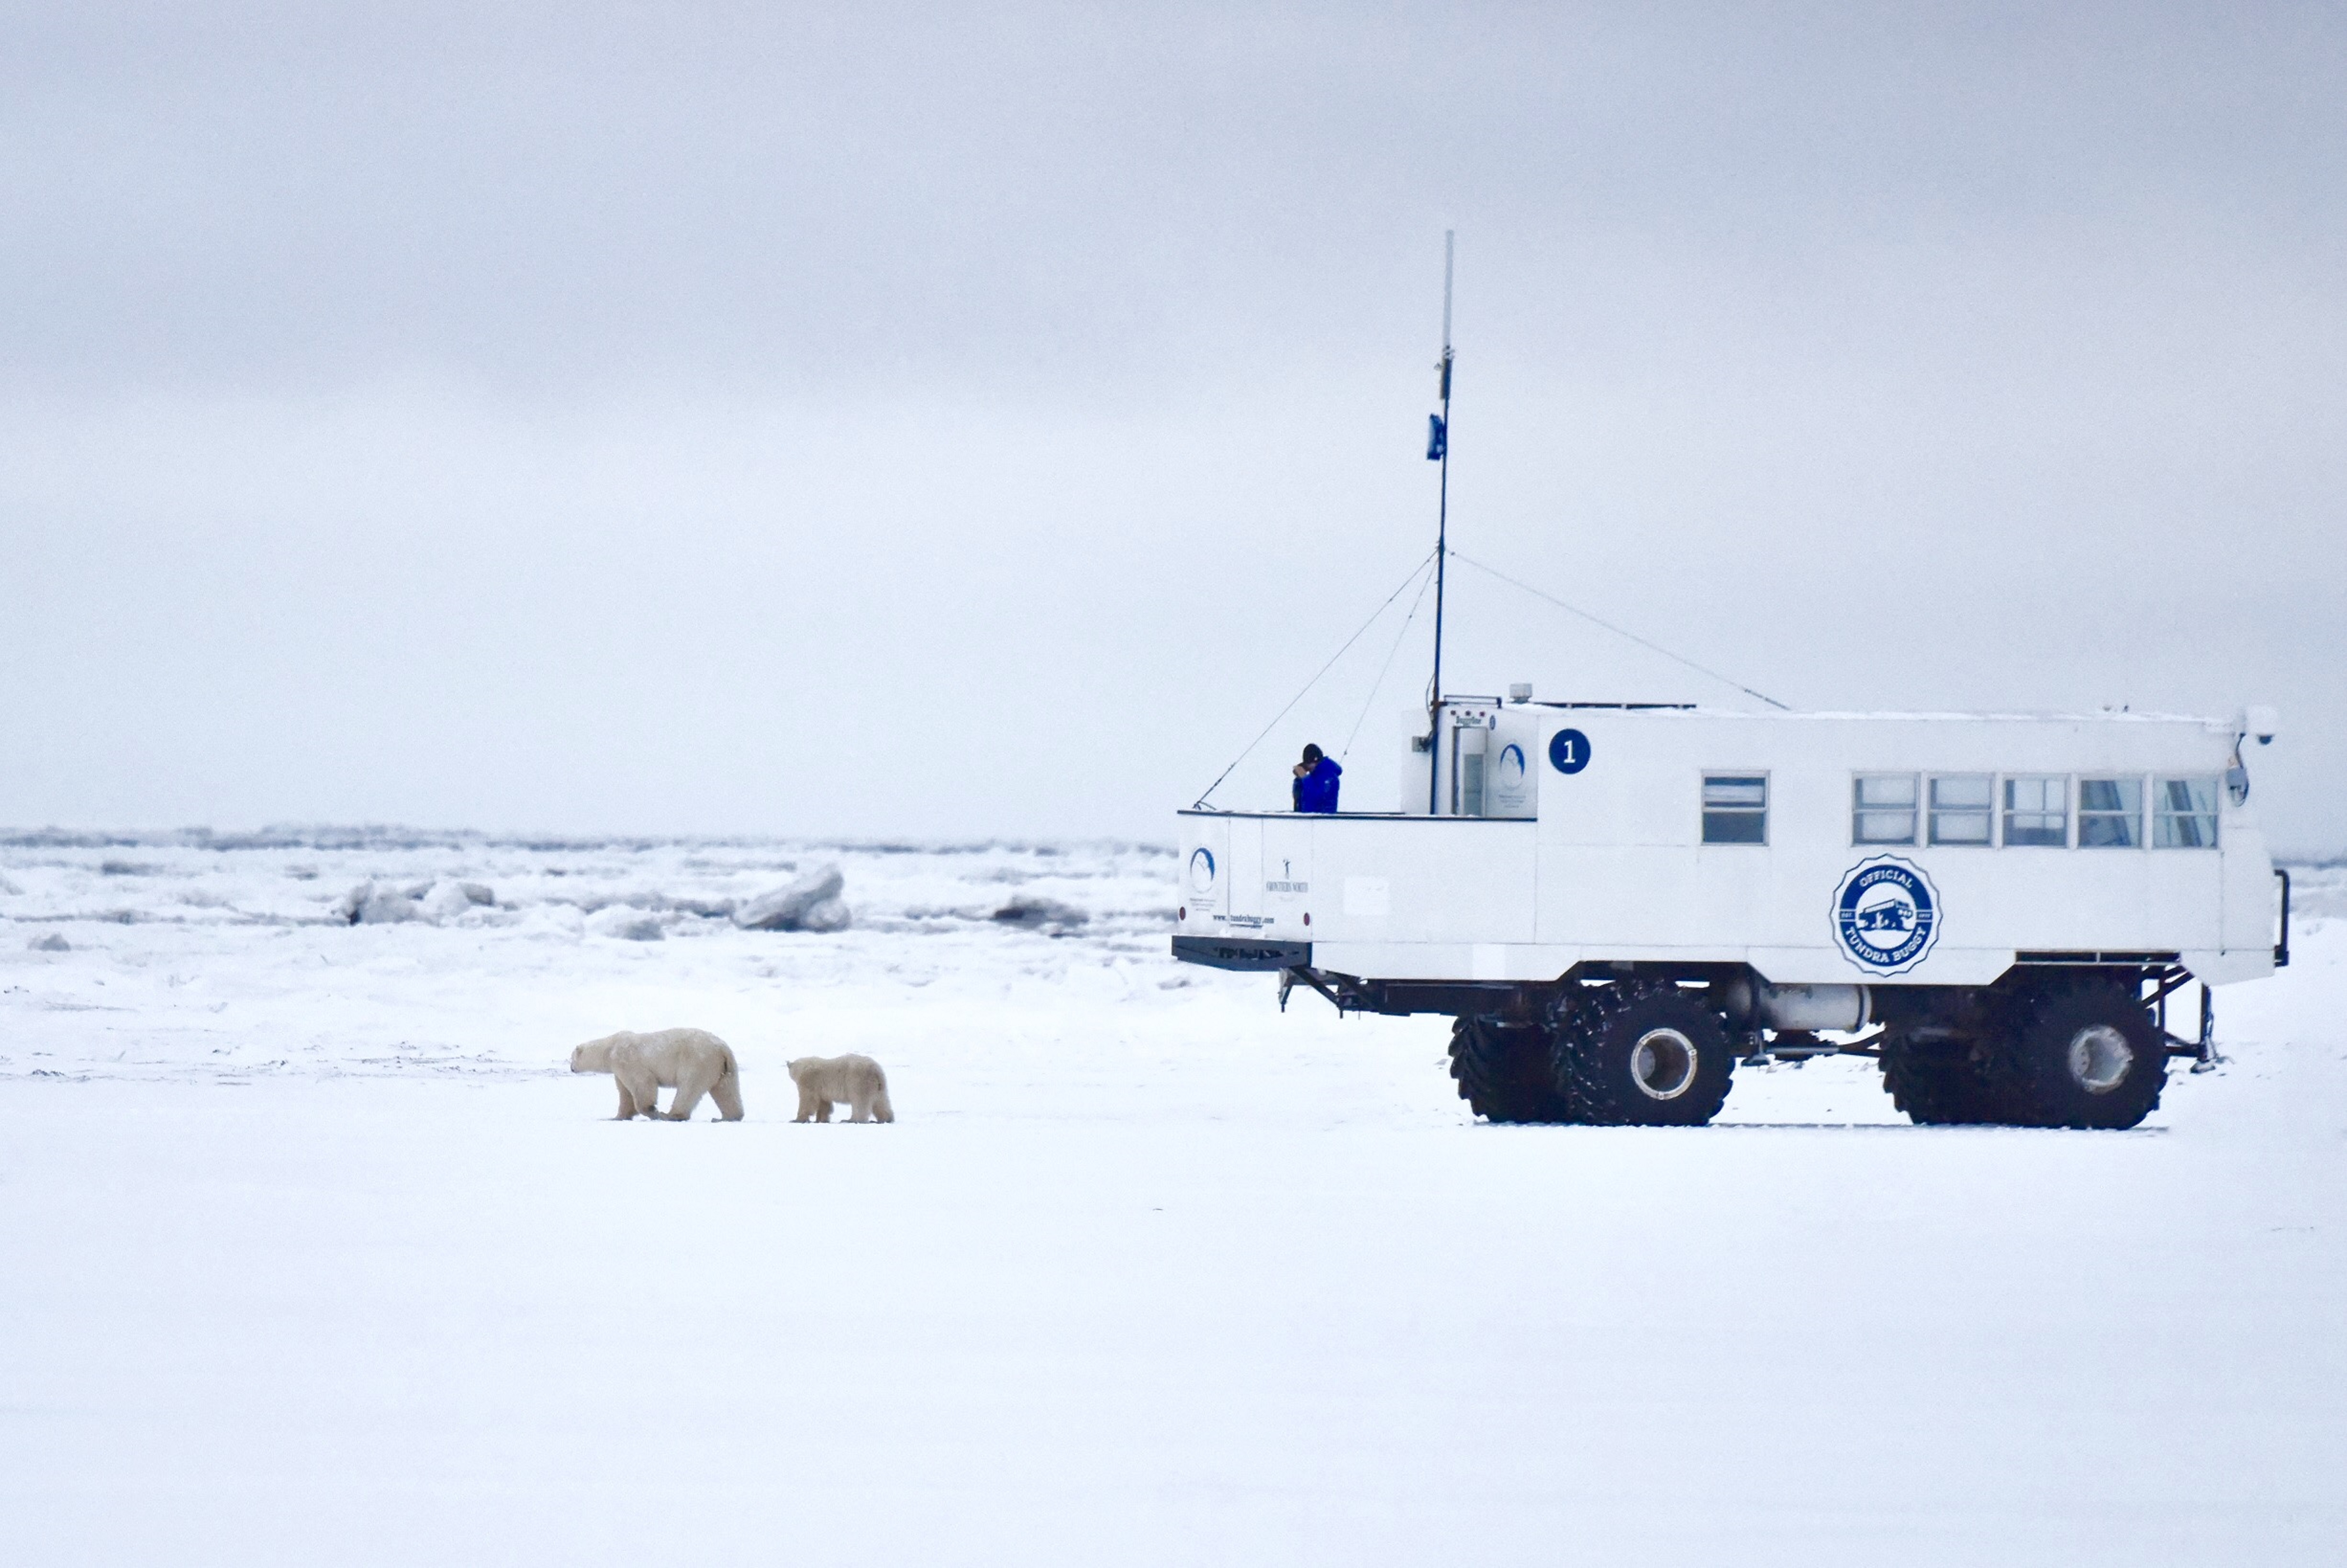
(1242, 953)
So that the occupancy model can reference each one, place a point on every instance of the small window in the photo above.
(2184, 815)
(1734, 808)
(2037, 811)
(1961, 807)
(2110, 814)
(1882, 808)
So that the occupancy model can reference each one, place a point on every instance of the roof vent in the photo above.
(1521, 691)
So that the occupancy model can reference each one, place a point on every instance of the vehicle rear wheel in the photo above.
(2087, 1057)
(1938, 1084)
(1501, 1069)
(1644, 1053)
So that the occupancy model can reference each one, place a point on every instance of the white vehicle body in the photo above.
(1572, 835)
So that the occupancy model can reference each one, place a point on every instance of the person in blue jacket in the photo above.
(1316, 778)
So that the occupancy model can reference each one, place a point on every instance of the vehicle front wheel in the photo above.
(1644, 1053)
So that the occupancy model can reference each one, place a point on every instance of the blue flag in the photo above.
(1438, 438)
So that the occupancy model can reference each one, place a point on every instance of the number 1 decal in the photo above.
(1568, 751)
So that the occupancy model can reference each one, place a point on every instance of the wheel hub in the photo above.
(1662, 1064)
(2100, 1056)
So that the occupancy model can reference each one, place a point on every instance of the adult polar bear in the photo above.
(692, 1061)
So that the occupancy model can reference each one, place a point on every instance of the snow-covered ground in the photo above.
(310, 1252)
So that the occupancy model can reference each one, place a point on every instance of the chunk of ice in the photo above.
(1035, 911)
(831, 915)
(368, 905)
(790, 909)
(625, 924)
(447, 899)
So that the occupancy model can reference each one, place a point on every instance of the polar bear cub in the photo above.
(857, 1080)
(692, 1061)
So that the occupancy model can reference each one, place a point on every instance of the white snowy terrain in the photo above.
(310, 1252)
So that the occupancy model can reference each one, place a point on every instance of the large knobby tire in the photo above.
(1502, 1070)
(2087, 1057)
(1938, 1084)
(1644, 1053)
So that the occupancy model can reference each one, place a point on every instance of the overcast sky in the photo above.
(910, 422)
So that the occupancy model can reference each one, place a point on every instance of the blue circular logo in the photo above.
(1568, 751)
(1201, 869)
(1886, 914)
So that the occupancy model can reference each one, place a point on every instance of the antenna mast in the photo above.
(1439, 448)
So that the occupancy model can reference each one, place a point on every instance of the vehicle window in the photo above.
(2184, 815)
(1882, 808)
(2037, 811)
(1734, 808)
(1961, 807)
(2110, 814)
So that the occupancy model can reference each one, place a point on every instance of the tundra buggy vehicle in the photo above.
(1617, 902)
